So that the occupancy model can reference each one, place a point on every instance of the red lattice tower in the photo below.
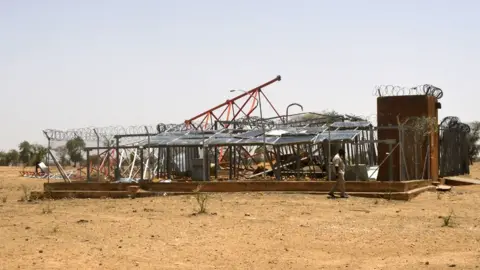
(231, 109)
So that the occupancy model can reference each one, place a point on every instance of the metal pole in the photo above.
(204, 174)
(148, 154)
(216, 154)
(158, 164)
(329, 155)
(263, 130)
(235, 170)
(415, 153)
(141, 163)
(230, 158)
(117, 169)
(169, 163)
(429, 169)
(48, 161)
(390, 163)
(357, 155)
(298, 160)
(278, 170)
(293, 104)
(206, 163)
(400, 163)
(48, 156)
(98, 154)
(108, 158)
(88, 165)
(372, 148)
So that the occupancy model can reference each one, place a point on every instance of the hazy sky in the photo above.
(71, 64)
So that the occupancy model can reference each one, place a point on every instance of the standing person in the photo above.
(340, 173)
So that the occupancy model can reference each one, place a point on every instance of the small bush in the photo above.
(4, 199)
(48, 209)
(447, 220)
(26, 193)
(202, 199)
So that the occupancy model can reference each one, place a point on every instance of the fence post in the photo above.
(98, 154)
(390, 162)
(400, 163)
(88, 165)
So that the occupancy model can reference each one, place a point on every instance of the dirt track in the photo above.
(240, 231)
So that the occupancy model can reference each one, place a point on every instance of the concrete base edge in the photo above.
(83, 194)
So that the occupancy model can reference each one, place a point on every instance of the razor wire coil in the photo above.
(453, 122)
(105, 133)
(393, 90)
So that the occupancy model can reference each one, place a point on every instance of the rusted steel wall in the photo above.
(404, 107)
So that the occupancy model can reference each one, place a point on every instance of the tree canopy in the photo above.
(30, 154)
(74, 149)
(473, 139)
(26, 152)
(9, 158)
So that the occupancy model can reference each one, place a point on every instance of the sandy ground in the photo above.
(240, 231)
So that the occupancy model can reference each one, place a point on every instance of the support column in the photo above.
(158, 163)
(117, 167)
(169, 163)
(278, 169)
(141, 163)
(231, 162)
(88, 165)
(216, 161)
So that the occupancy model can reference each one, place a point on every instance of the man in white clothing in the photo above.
(340, 173)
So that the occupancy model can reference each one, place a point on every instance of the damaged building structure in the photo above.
(229, 142)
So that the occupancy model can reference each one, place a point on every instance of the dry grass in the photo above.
(249, 231)
(26, 193)
(47, 209)
(447, 220)
(201, 199)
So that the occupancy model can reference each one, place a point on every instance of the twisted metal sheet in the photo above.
(393, 90)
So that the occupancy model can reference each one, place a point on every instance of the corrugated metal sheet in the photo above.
(283, 137)
(357, 124)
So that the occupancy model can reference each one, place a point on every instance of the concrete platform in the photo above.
(373, 189)
(460, 181)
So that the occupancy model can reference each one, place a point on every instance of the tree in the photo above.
(25, 153)
(12, 157)
(473, 138)
(62, 155)
(3, 158)
(74, 150)
(39, 152)
(95, 160)
(9, 158)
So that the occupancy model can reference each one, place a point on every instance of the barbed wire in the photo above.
(393, 90)
(106, 133)
(453, 122)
